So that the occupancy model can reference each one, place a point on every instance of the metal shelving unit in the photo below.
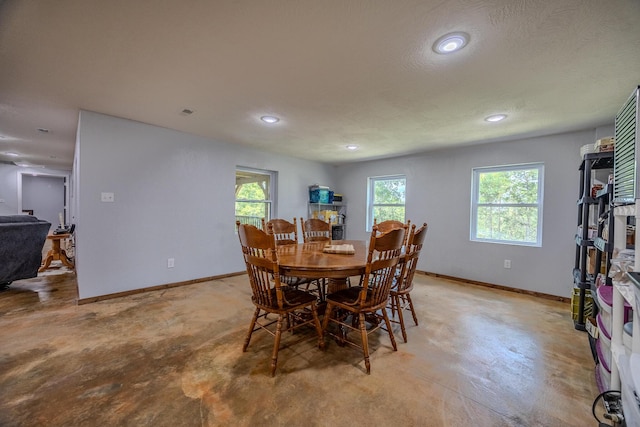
(338, 225)
(582, 279)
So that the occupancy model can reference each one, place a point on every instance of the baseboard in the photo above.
(494, 286)
(426, 273)
(155, 288)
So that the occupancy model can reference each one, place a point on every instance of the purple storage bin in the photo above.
(602, 328)
(605, 295)
(604, 355)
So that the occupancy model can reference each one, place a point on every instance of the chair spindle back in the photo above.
(315, 230)
(382, 261)
(413, 248)
(261, 260)
(285, 232)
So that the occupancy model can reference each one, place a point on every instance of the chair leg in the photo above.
(251, 326)
(288, 326)
(327, 315)
(413, 311)
(276, 345)
(365, 342)
(400, 317)
(316, 321)
(392, 306)
(388, 322)
(319, 286)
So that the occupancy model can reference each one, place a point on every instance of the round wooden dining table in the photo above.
(56, 253)
(309, 261)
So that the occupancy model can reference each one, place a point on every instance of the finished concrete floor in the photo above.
(480, 357)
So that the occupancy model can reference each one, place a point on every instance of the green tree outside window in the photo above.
(507, 204)
(386, 199)
(253, 196)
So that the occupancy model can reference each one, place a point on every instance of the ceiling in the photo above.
(336, 72)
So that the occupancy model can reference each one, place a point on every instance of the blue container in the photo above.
(320, 195)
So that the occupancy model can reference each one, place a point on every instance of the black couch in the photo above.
(22, 238)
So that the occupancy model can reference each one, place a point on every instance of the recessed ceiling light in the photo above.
(12, 154)
(43, 130)
(451, 42)
(495, 118)
(352, 147)
(270, 119)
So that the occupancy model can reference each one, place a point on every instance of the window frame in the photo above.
(370, 197)
(475, 192)
(270, 202)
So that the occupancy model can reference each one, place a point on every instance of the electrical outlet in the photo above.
(171, 262)
(507, 263)
(107, 197)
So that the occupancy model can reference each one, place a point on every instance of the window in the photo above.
(254, 195)
(386, 199)
(506, 205)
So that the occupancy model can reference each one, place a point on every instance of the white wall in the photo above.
(174, 197)
(9, 188)
(45, 195)
(439, 193)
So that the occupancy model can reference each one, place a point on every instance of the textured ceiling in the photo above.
(336, 72)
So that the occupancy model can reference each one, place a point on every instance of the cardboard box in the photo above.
(605, 144)
(327, 216)
(591, 262)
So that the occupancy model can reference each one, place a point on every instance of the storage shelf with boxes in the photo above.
(595, 169)
(324, 204)
(600, 146)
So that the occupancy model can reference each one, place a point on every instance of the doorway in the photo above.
(44, 196)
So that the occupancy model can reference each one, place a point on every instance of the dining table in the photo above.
(56, 253)
(309, 260)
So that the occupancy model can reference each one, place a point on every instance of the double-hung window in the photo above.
(386, 199)
(254, 195)
(506, 205)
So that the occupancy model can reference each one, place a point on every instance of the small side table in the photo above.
(56, 253)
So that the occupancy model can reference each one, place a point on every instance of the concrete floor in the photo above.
(480, 357)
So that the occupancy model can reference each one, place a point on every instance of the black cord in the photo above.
(595, 402)
(593, 406)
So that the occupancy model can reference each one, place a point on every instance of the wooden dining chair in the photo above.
(390, 224)
(315, 230)
(352, 308)
(269, 296)
(286, 233)
(400, 295)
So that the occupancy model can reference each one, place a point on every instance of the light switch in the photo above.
(107, 197)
